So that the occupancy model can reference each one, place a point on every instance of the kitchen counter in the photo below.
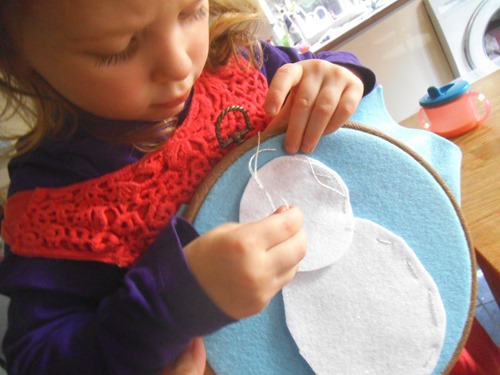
(348, 30)
(480, 183)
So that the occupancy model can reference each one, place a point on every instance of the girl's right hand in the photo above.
(242, 266)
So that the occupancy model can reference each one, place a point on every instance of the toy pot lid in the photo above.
(437, 96)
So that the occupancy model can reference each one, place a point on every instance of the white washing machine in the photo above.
(469, 32)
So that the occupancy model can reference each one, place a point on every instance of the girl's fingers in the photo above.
(304, 103)
(319, 96)
(346, 107)
(285, 278)
(190, 362)
(286, 256)
(285, 78)
(275, 229)
(321, 117)
(284, 114)
(199, 354)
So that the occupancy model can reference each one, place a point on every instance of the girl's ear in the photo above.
(4, 47)
(15, 66)
(10, 59)
(4, 60)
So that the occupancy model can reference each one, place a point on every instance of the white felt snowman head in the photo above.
(318, 191)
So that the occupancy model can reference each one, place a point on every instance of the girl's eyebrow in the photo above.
(91, 38)
(113, 29)
(106, 32)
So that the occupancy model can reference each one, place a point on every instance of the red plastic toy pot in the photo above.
(453, 110)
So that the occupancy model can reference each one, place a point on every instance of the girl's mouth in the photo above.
(173, 103)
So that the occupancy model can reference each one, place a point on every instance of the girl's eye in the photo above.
(116, 58)
(197, 15)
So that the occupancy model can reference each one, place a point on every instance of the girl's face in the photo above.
(118, 59)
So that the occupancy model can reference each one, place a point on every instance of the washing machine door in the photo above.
(482, 37)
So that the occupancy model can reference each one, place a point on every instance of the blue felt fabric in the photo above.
(444, 156)
(387, 186)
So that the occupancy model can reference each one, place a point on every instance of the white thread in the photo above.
(430, 296)
(433, 308)
(285, 202)
(253, 171)
(428, 360)
(315, 175)
(330, 177)
(255, 157)
(253, 165)
(384, 241)
(412, 270)
(435, 348)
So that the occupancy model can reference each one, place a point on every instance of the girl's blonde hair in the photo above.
(233, 28)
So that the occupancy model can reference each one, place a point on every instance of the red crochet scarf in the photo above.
(114, 218)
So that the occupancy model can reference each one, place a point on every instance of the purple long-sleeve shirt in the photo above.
(95, 318)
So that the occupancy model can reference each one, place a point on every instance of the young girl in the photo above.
(131, 103)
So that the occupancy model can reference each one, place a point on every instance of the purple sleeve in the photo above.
(274, 57)
(95, 318)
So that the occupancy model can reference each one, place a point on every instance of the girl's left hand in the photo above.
(314, 97)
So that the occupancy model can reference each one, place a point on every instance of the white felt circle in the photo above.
(375, 311)
(317, 190)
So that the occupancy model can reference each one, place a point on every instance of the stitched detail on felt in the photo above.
(114, 218)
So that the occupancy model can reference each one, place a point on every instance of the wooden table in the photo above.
(480, 182)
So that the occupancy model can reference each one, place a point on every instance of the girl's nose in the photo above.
(171, 59)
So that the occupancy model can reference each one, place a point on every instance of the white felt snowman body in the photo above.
(361, 302)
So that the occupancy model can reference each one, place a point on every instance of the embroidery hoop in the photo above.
(192, 213)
